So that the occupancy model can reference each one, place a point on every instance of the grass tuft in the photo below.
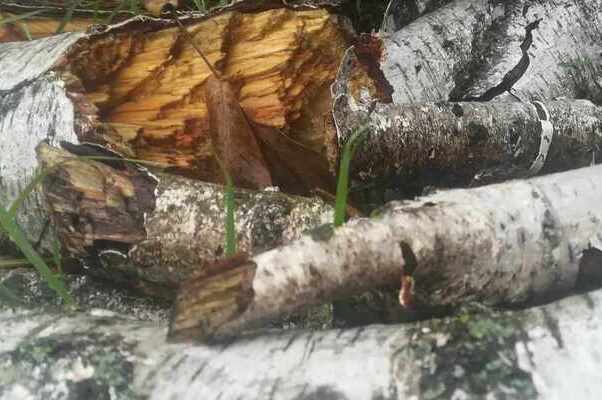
(230, 248)
(54, 281)
(355, 139)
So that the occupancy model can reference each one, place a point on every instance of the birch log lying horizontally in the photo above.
(501, 244)
(469, 51)
(472, 143)
(549, 352)
(139, 87)
(151, 231)
(479, 50)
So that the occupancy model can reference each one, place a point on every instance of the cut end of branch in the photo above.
(92, 203)
(216, 295)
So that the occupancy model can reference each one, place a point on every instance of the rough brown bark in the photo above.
(511, 243)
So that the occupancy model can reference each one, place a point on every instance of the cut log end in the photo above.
(143, 89)
(219, 293)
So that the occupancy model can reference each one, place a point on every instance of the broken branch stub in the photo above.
(511, 243)
(151, 231)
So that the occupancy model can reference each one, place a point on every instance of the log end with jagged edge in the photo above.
(217, 294)
(139, 87)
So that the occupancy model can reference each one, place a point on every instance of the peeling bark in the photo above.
(511, 243)
(545, 352)
(151, 231)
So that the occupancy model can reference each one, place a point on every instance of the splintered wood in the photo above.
(149, 87)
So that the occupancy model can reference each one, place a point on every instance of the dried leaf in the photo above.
(233, 139)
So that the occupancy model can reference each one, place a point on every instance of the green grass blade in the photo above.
(18, 202)
(21, 17)
(200, 5)
(68, 16)
(135, 8)
(230, 228)
(10, 263)
(17, 235)
(25, 30)
(57, 259)
(343, 180)
(96, 16)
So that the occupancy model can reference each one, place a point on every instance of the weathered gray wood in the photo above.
(548, 352)
(501, 244)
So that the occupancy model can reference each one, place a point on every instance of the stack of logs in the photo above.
(269, 94)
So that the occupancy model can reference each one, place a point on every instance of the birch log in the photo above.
(471, 51)
(138, 87)
(549, 352)
(150, 231)
(471, 143)
(479, 50)
(79, 87)
(511, 243)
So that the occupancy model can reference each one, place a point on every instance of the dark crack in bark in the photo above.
(515, 73)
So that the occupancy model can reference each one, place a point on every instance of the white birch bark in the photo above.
(547, 352)
(467, 47)
(501, 244)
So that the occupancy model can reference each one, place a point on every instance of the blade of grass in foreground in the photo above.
(230, 228)
(68, 16)
(11, 263)
(37, 179)
(343, 180)
(16, 234)
(21, 17)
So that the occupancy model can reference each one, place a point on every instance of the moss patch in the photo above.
(71, 367)
(471, 354)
